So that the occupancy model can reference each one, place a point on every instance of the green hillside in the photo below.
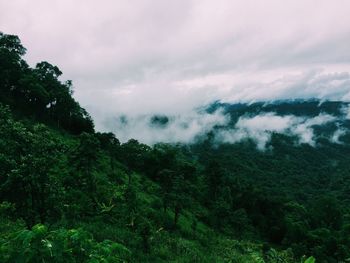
(71, 194)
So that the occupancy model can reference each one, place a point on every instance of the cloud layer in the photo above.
(256, 126)
(148, 57)
(184, 128)
(260, 128)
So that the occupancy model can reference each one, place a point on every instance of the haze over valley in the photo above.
(174, 131)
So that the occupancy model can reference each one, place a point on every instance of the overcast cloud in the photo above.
(143, 57)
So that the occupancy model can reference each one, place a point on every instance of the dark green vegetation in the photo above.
(70, 194)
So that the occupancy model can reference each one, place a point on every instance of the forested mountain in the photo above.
(243, 192)
(37, 93)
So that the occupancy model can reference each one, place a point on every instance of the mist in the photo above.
(151, 129)
(261, 127)
(194, 126)
(150, 57)
(130, 61)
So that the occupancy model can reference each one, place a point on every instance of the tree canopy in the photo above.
(70, 194)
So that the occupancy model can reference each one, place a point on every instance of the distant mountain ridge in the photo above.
(297, 107)
(313, 118)
(259, 182)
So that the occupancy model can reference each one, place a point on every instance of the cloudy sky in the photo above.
(155, 56)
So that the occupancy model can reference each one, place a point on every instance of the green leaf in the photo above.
(310, 260)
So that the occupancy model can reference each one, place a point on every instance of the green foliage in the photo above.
(75, 245)
(68, 194)
(310, 260)
(38, 93)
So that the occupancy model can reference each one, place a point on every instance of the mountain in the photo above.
(308, 120)
(271, 183)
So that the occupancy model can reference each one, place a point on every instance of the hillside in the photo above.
(239, 193)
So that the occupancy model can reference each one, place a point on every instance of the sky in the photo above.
(140, 57)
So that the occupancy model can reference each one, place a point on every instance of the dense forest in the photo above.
(71, 194)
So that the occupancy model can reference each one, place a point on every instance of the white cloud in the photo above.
(183, 128)
(259, 128)
(337, 135)
(108, 46)
(159, 57)
(303, 129)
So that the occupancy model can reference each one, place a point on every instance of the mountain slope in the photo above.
(70, 194)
